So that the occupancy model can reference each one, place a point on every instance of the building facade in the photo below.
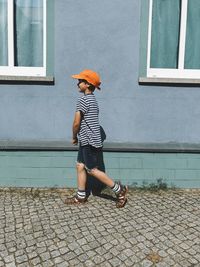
(147, 53)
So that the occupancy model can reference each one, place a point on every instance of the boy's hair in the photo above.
(91, 87)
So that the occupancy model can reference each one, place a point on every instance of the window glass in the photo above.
(28, 33)
(3, 33)
(192, 47)
(165, 34)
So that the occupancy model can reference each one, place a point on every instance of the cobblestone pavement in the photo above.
(154, 229)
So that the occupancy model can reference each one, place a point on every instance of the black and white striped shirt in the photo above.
(89, 133)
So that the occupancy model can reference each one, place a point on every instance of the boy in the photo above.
(86, 126)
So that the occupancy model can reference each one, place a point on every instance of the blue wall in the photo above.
(102, 35)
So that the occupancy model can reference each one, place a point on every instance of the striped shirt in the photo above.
(89, 133)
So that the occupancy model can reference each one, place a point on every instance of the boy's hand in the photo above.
(75, 141)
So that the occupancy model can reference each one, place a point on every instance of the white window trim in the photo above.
(12, 70)
(165, 72)
(10, 33)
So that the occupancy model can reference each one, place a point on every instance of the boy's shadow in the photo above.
(94, 186)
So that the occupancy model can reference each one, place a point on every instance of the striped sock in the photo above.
(116, 188)
(81, 194)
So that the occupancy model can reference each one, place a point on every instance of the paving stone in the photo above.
(64, 250)
(55, 253)
(35, 261)
(24, 264)
(69, 256)
(63, 264)
(21, 259)
(115, 262)
(193, 261)
(38, 229)
(89, 263)
(98, 259)
(4, 253)
(11, 264)
(78, 251)
(74, 262)
(45, 256)
(48, 263)
(58, 260)
(9, 259)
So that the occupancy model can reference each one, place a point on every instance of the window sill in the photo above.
(26, 80)
(169, 81)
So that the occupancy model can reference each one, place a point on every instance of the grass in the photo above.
(159, 185)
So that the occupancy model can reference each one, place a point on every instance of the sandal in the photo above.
(75, 201)
(121, 197)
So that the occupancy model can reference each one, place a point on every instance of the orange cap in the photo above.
(90, 76)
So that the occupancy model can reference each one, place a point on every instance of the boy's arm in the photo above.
(76, 127)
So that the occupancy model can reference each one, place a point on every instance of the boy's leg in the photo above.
(118, 189)
(81, 176)
(87, 161)
(80, 196)
(91, 155)
(102, 176)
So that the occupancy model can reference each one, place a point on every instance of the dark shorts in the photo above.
(90, 156)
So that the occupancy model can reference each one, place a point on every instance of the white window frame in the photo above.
(180, 72)
(12, 70)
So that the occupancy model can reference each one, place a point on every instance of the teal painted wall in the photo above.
(57, 169)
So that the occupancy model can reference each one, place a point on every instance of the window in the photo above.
(23, 37)
(173, 39)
